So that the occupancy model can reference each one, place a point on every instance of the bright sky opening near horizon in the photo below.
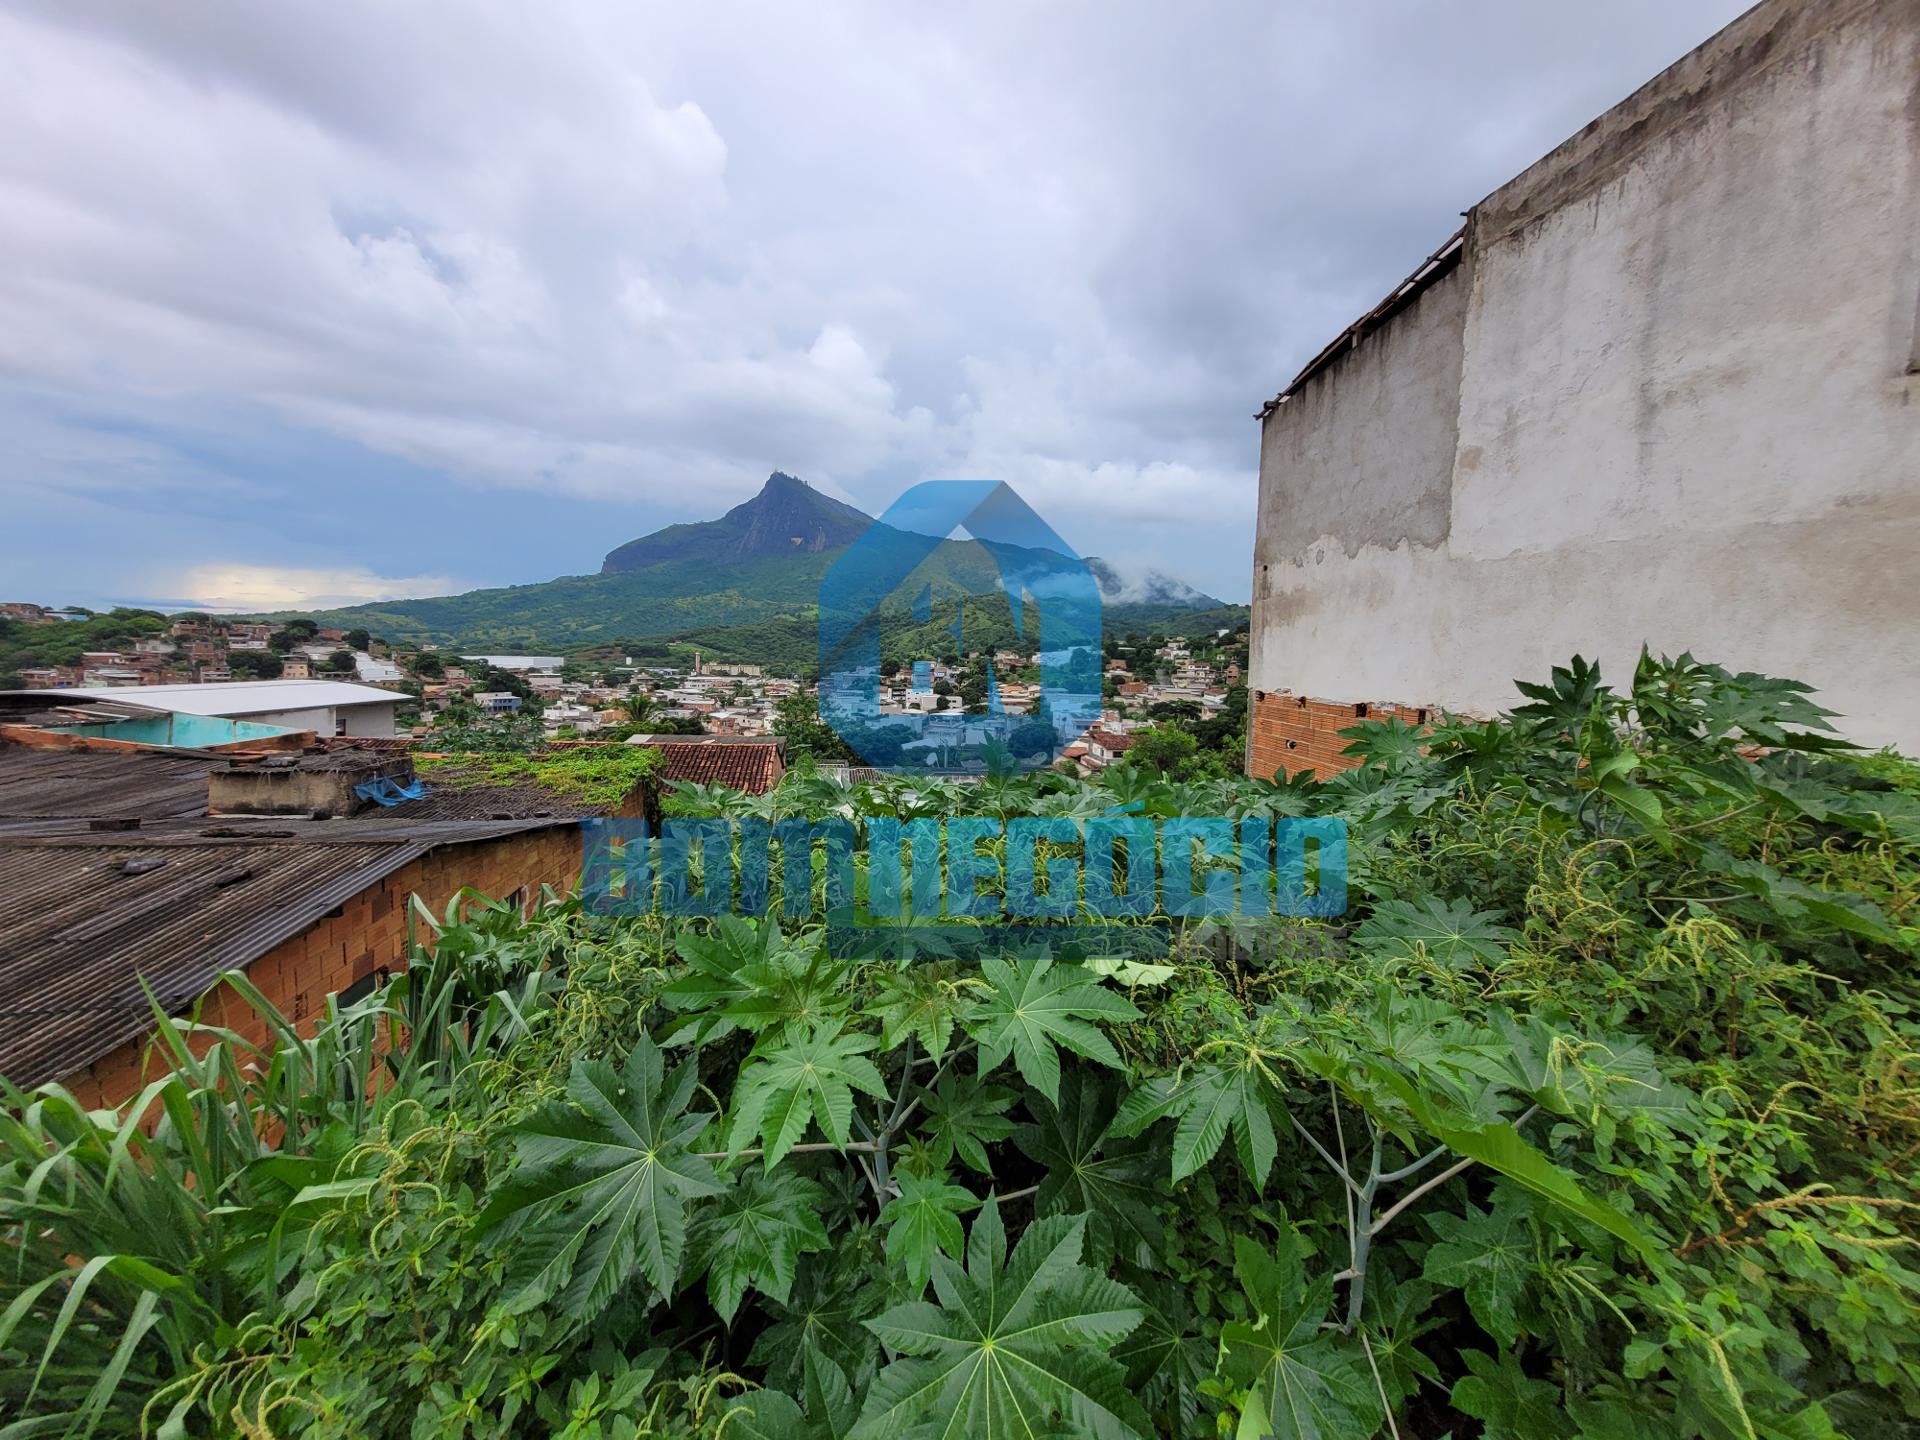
(310, 304)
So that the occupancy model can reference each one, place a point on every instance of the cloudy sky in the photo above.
(316, 302)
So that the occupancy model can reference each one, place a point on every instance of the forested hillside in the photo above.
(745, 587)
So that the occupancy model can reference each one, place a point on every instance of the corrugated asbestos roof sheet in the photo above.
(79, 934)
(98, 783)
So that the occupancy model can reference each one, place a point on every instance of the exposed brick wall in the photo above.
(1295, 732)
(367, 933)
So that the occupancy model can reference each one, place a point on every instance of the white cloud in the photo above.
(243, 587)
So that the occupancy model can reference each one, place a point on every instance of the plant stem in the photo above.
(1363, 1234)
(1413, 1195)
(1406, 1172)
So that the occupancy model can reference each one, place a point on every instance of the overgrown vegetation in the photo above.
(595, 774)
(1595, 1118)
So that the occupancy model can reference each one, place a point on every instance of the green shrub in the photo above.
(1596, 1118)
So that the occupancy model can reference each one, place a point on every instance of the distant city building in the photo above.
(519, 663)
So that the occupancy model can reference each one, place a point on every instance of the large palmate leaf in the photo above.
(922, 1221)
(1015, 1346)
(1564, 706)
(1514, 1405)
(832, 1409)
(1035, 1007)
(605, 1174)
(1452, 932)
(796, 987)
(811, 1079)
(826, 1313)
(747, 975)
(1209, 1100)
(754, 1234)
(1304, 1383)
(924, 1001)
(826, 1409)
(1092, 1170)
(1490, 1255)
(1168, 1355)
(963, 1118)
(1587, 1077)
(1389, 744)
(715, 979)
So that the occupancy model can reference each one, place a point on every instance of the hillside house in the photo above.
(1662, 388)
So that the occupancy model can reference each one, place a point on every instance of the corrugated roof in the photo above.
(448, 798)
(244, 697)
(99, 783)
(79, 935)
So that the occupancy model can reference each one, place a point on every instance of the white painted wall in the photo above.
(1684, 414)
(370, 720)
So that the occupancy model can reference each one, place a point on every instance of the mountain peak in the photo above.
(787, 517)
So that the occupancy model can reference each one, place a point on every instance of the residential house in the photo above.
(1634, 401)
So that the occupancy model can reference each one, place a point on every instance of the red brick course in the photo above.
(1292, 733)
(367, 933)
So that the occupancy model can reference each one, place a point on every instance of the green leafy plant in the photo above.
(1595, 1118)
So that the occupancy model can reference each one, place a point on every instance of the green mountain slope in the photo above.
(747, 582)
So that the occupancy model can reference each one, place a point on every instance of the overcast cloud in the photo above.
(316, 302)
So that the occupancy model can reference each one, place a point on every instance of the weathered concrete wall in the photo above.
(1367, 454)
(1685, 412)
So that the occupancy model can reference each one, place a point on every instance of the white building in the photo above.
(1663, 388)
(375, 672)
(326, 707)
(520, 663)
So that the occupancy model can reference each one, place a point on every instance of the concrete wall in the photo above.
(320, 719)
(1678, 408)
(367, 934)
(372, 720)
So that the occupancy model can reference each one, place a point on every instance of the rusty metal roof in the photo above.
(80, 934)
(1436, 266)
